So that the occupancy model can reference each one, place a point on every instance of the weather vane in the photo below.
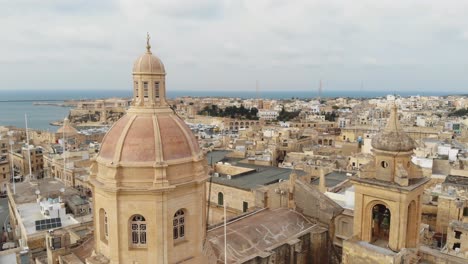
(148, 46)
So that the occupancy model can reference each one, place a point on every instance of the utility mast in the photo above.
(320, 91)
(257, 90)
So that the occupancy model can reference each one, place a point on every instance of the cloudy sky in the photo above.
(229, 44)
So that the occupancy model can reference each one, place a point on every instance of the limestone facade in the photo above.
(20, 161)
(148, 181)
(5, 171)
(388, 194)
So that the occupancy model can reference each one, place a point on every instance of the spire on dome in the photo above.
(393, 123)
(148, 46)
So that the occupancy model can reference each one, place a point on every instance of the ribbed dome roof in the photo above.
(393, 141)
(148, 64)
(150, 147)
(393, 138)
(148, 139)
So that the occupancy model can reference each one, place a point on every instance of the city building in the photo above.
(5, 168)
(388, 191)
(21, 160)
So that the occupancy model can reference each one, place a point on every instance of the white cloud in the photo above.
(228, 44)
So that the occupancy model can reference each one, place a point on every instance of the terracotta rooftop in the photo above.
(148, 138)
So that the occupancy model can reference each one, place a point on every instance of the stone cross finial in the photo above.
(148, 46)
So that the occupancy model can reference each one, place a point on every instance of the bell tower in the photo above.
(388, 191)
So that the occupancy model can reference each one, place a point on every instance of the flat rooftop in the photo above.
(30, 212)
(260, 176)
(332, 179)
(26, 191)
(456, 180)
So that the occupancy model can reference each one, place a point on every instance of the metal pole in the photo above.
(27, 144)
(11, 166)
(225, 233)
(64, 156)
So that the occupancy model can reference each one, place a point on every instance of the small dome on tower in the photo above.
(67, 128)
(393, 138)
(148, 63)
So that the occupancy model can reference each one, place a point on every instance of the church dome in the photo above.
(150, 139)
(150, 134)
(148, 63)
(393, 138)
(393, 141)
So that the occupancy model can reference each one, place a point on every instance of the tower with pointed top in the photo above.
(388, 194)
(148, 180)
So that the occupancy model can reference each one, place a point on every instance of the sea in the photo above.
(14, 105)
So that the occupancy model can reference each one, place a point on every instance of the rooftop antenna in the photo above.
(320, 90)
(11, 163)
(225, 232)
(257, 89)
(27, 144)
(63, 151)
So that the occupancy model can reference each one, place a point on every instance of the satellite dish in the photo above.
(37, 192)
(62, 190)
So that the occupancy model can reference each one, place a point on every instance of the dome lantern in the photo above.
(149, 80)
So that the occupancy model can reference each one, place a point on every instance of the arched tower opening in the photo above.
(380, 224)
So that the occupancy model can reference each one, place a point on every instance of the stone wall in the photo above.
(231, 170)
(364, 253)
(314, 204)
(434, 256)
(446, 211)
(234, 198)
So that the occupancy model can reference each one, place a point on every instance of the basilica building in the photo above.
(149, 180)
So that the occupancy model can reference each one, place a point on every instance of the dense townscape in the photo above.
(151, 179)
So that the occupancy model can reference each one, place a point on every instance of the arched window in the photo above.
(179, 225)
(104, 225)
(138, 231)
(220, 198)
(380, 223)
